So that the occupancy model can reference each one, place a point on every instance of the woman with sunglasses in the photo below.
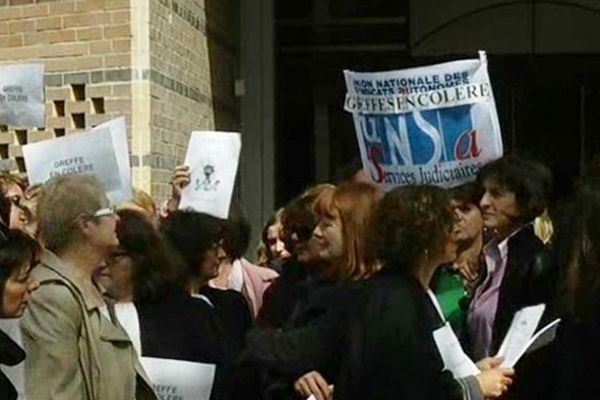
(301, 358)
(298, 220)
(75, 350)
(18, 255)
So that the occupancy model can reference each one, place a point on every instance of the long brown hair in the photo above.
(354, 202)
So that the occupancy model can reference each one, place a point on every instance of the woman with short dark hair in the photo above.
(388, 349)
(197, 239)
(142, 275)
(516, 191)
(19, 253)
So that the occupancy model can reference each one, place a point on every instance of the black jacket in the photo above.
(281, 298)
(529, 279)
(10, 354)
(180, 327)
(308, 340)
(388, 347)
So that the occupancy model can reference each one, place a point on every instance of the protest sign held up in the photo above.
(22, 95)
(99, 152)
(431, 125)
(213, 159)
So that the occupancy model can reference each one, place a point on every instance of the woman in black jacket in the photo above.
(389, 351)
(18, 254)
(162, 319)
(516, 191)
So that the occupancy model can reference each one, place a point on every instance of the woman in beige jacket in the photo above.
(76, 350)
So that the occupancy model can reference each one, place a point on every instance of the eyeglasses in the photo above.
(105, 212)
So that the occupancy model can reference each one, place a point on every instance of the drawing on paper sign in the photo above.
(208, 185)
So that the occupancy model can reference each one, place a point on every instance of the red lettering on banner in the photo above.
(468, 141)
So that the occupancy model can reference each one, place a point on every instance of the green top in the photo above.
(450, 291)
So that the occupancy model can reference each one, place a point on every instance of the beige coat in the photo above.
(73, 351)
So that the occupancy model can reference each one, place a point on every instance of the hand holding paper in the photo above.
(520, 337)
(213, 158)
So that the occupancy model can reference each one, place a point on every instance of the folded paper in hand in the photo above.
(520, 339)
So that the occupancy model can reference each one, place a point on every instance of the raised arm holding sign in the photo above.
(102, 152)
(213, 160)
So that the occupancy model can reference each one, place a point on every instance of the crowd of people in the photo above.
(341, 302)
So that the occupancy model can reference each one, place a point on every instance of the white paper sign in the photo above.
(432, 125)
(181, 380)
(455, 359)
(213, 160)
(519, 333)
(22, 95)
(520, 338)
(93, 153)
(118, 131)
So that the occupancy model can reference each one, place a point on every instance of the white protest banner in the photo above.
(93, 152)
(213, 160)
(181, 380)
(430, 125)
(22, 95)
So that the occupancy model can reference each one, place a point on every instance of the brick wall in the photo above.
(159, 63)
(181, 99)
(85, 47)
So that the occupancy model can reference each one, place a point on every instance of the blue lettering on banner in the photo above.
(419, 138)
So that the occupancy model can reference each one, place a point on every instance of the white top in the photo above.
(16, 374)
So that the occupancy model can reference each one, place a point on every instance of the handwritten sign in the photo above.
(93, 152)
(179, 380)
(213, 159)
(22, 95)
(432, 125)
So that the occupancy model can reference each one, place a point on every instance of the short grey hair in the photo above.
(62, 200)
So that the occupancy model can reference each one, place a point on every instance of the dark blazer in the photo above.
(180, 327)
(528, 279)
(388, 349)
(10, 354)
(281, 297)
(308, 340)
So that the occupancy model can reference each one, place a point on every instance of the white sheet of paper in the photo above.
(118, 131)
(519, 334)
(22, 95)
(183, 380)
(16, 373)
(213, 160)
(91, 153)
(543, 337)
(455, 359)
(312, 396)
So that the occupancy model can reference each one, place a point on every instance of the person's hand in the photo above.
(180, 178)
(312, 383)
(489, 363)
(495, 382)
